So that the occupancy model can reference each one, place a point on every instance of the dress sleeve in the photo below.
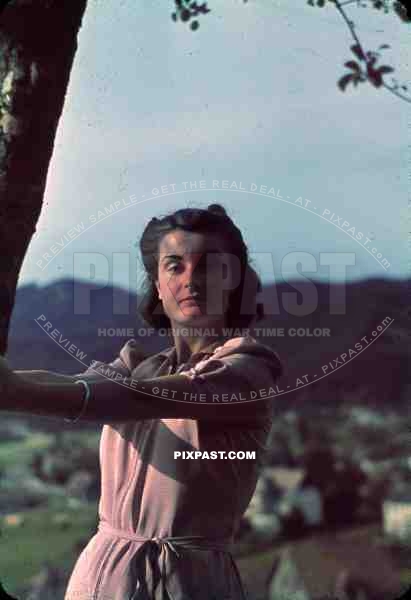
(95, 371)
(124, 364)
(233, 374)
(238, 380)
(234, 377)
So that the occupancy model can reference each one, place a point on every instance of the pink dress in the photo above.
(166, 525)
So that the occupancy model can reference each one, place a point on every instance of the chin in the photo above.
(196, 320)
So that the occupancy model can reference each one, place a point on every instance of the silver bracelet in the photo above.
(87, 396)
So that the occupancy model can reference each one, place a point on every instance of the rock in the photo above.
(74, 503)
(62, 520)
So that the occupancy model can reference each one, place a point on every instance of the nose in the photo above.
(194, 285)
(195, 273)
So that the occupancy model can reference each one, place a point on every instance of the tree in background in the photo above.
(38, 41)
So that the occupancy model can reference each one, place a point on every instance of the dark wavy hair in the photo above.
(242, 307)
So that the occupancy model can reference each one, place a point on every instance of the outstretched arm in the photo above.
(132, 352)
(42, 376)
(226, 392)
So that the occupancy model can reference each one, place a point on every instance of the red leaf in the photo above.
(343, 82)
(375, 77)
(385, 69)
(356, 48)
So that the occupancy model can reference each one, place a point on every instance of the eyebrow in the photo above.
(178, 257)
(171, 256)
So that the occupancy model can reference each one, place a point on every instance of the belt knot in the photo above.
(151, 548)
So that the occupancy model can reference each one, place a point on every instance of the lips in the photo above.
(188, 298)
(195, 300)
(200, 300)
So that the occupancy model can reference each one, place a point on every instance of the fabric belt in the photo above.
(152, 548)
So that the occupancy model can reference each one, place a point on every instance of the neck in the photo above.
(188, 345)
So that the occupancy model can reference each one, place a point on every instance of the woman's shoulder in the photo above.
(244, 347)
(142, 363)
(247, 351)
(245, 344)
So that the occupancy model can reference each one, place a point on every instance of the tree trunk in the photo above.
(38, 41)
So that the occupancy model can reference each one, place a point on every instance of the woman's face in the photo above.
(200, 259)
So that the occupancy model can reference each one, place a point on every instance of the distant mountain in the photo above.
(382, 369)
(61, 303)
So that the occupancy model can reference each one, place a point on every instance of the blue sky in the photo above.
(250, 97)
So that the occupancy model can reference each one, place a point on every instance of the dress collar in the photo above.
(171, 353)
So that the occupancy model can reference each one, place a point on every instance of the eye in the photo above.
(172, 267)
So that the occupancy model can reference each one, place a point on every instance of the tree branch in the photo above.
(349, 24)
(368, 60)
(394, 91)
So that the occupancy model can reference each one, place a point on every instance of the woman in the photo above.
(166, 524)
